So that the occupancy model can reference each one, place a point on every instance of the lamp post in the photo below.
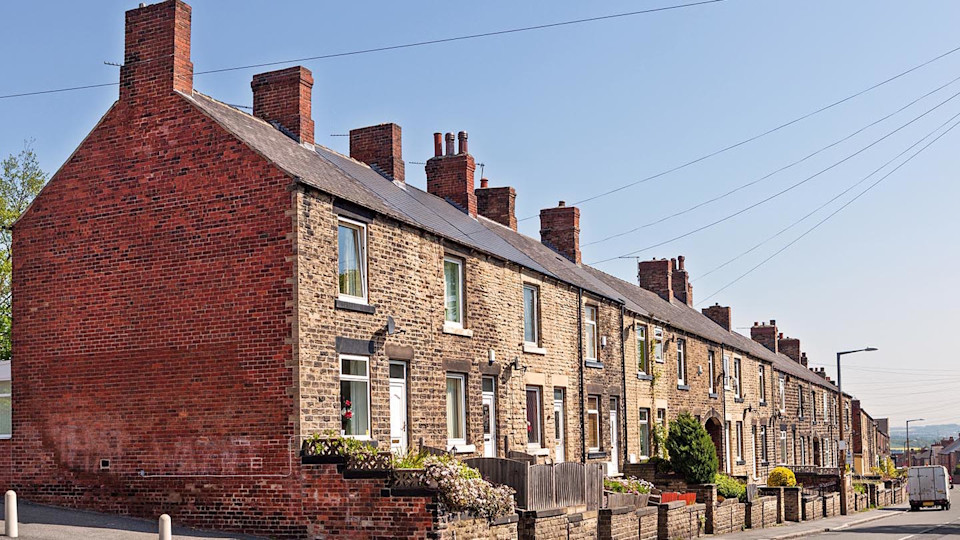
(908, 437)
(843, 451)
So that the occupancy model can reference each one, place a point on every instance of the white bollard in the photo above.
(165, 533)
(10, 519)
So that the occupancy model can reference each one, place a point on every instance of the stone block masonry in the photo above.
(812, 508)
(728, 517)
(792, 504)
(778, 493)
(648, 518)
(464, 528)
(761, 512)
(677, 520)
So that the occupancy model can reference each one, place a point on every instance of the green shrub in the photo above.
(860, 488)
(730, 488)
(782, 476)
(662, 465)
(956, 470)
(691, 451)
(410, 460)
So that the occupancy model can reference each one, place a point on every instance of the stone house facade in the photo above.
(198, 290)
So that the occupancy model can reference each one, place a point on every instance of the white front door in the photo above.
(559, 426)
(398, 407)
(614, 465)
(489, 404)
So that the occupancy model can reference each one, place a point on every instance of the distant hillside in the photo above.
(922, 435)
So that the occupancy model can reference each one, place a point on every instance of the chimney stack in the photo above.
(379, 147)
(803, 359)
(497, 203)
(765, 334)
(682, 289)
(718, 314)
(656, 276)
(560, 230)
(283, 97)
(450, 175)
(156, 58)
(790, 347)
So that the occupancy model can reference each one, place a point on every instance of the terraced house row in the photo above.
(198, 290)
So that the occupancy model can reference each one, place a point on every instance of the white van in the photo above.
(928, 486)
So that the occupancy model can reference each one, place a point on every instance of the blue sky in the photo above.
(569, 112)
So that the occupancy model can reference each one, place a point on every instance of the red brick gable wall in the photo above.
(152, 283)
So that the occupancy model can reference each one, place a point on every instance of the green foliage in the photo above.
(20, 181)
(662, 464)
(782, 476)
(627, 484)
(330, 443)
(860, 488)
(660, 441)
(691, 451)
(409, 460)
(956, 470)
(730, 488)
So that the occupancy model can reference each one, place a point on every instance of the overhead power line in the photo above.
(825, 204)
(835, 212)
(783, 191)
(763, 134)
(398, 46)
(772, 173)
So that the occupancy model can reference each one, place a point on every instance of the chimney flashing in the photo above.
(284, 96)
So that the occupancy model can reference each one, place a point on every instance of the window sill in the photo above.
(461, 448)
(536, 450)
(596, 454)
(593, 364)
(457, 330)
(713, 395)
(741, 462)
(532, 348)
(738, 400)
(763, 403)
(5, 437)
(350, 305)
(764, 463)
(683, 387)
(644, 377)
(659, 361)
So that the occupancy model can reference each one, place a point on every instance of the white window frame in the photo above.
(783, 395)
(460, 299)
(737, 378)
(658, 344)
(645, 428)
(763, 382)
(5, 377)
(739, 435)
(813, 405)
(538, 416)
(590, 329)
(800, 410)
(536, 314)
(360, 378)
(595, 412)
(362, 228)
(643, 355)
(460, 442)
(783, 447)
(712, 372)
(763, 445)
(681, 362)
(726, 372)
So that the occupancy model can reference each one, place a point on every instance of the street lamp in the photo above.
(908, 437)
(843, 457)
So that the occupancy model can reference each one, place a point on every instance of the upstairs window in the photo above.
(712, 372)
(681, 363)
(453, 291)
(763, 384)
(643, 362)
(726, 372)
(590, 332)
(800, 402)
(352, 259)
(658, 344)
(531, 314)
(737, 379)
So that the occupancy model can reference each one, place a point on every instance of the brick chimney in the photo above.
(497, 203)
(803, 359)
(379, 146)
(765, 334)
(790, 347)
(560, 230)
(718, 314)
(450, 174)
(656, 276)
(156, 58)
(283, 97)
(682, 289)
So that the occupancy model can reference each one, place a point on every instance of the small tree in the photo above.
(691, 450)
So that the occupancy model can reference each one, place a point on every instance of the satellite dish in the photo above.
(391, 326)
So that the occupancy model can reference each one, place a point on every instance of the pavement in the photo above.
(38, 522)
(821, 526)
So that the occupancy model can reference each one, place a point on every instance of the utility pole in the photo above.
(908, 437)
(843, 451)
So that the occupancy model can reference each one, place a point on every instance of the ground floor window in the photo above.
(456, 409)
(739, 441)
(534, 415)
(355, 396)
(763, 443)
(644, 433)
(783, 446)
(593, 423)
(6, 402)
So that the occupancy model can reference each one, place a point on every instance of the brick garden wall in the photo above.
(680, 521)
(728, 517)
(761, 512)
(812, 508)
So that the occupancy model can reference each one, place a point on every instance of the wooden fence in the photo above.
(542, 487)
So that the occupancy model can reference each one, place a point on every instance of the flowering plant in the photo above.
(463, 490)
(627, 484)
(345, 413)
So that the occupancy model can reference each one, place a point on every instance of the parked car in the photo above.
(928, 486)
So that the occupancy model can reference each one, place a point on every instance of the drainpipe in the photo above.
(623, 379)
(724, 435)
(583, 429)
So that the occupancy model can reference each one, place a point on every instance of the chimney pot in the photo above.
(561, 204)
(437, 144)
(462, 142)
(484, 183)
(680, 260)
(449, 140)
(773, 322)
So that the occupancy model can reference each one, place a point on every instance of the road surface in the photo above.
(921, 525)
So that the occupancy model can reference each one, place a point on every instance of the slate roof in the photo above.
(951, 448)
(343, 177)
